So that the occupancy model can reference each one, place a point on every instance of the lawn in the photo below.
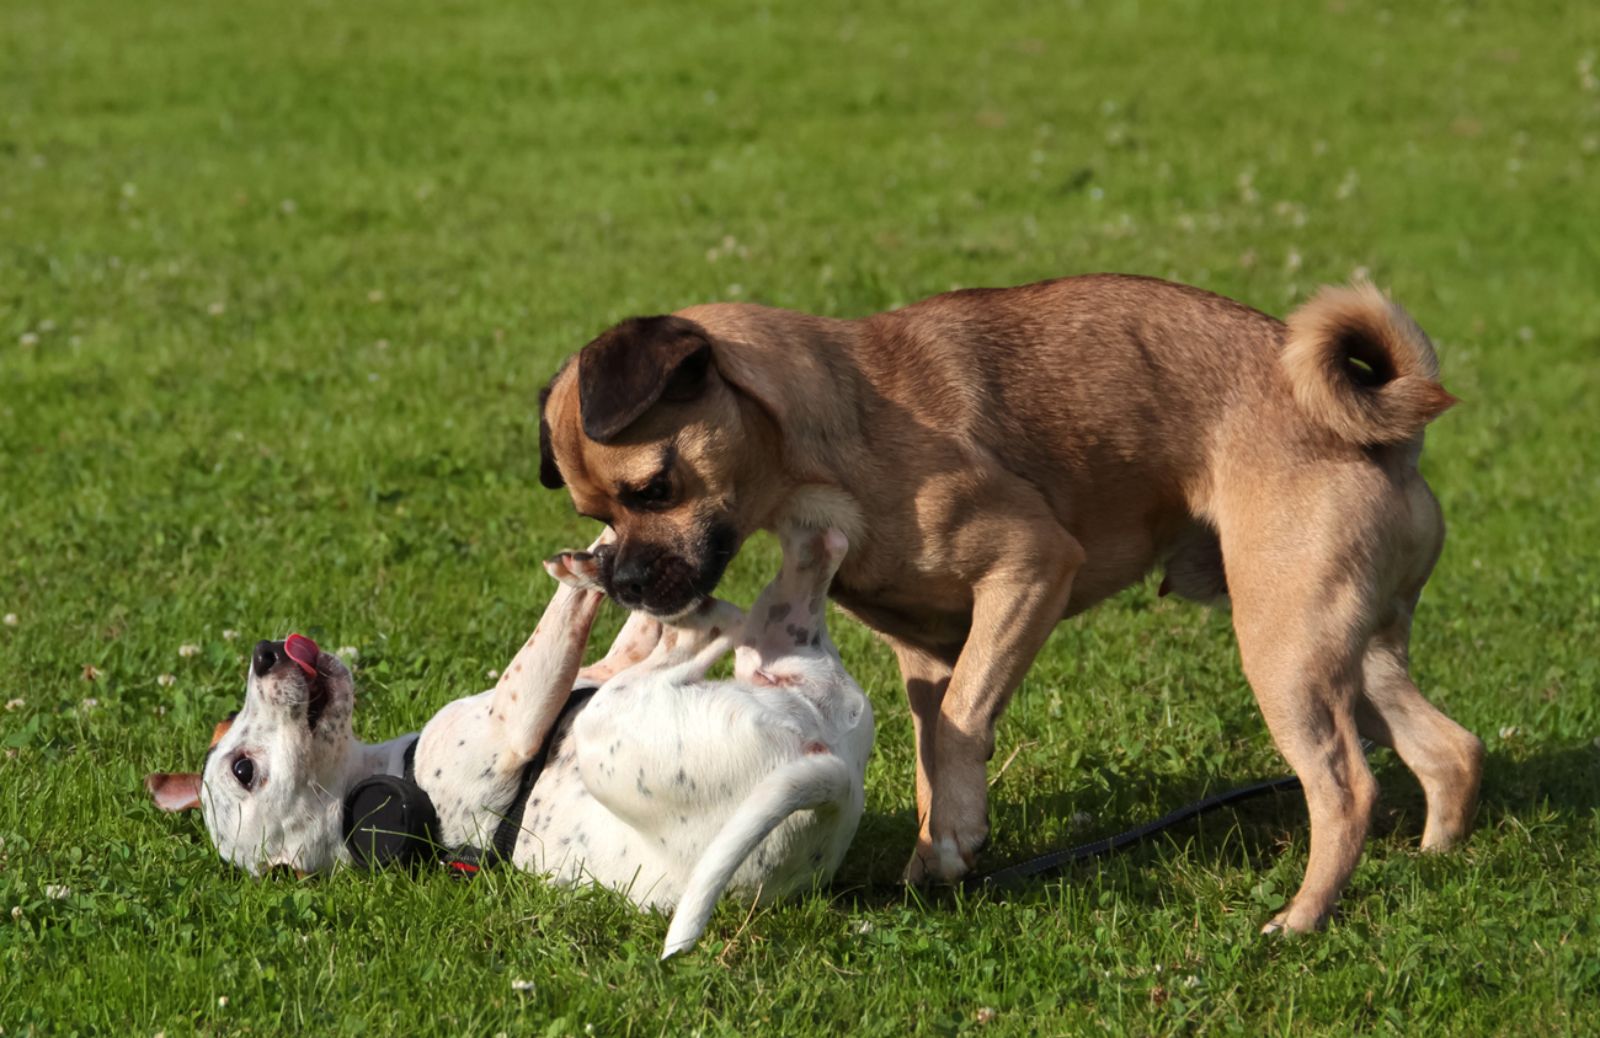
(279, 284)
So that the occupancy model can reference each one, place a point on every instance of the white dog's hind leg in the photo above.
(790, 616)
(811, 781)
(634, 644)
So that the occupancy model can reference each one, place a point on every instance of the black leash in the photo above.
(1054, 861)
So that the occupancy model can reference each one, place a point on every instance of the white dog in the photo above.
(664, 785)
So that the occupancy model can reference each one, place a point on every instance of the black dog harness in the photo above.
(390, 819)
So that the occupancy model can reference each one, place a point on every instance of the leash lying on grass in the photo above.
(1012, 875)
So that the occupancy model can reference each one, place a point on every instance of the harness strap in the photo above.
(410, 772)
(505, 837)
(466, 861)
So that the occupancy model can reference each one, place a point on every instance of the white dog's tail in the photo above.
(1361, 367)
(806, 782)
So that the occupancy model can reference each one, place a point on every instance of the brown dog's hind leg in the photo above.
(1301, 603)
(1446, 758)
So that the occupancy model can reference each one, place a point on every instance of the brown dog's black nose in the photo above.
(267, 656)
(629, 577)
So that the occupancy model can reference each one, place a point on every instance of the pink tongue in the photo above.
(304, 652)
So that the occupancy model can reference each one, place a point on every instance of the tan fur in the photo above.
(1316, 353)
(1004, 458)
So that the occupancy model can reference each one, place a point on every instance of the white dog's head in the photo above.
(272, 786)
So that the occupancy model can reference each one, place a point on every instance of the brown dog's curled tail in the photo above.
(1361, 367)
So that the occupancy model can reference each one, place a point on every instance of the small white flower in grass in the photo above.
(865, 927)
(229, 634)
(381, 344)
(522, 985)
(348, 653)
(57, 891)
(16, 704)
(89, 704)
(1293, 261)
(1081, 819)
(28, 339)
(216, 309)
(375, 296)
(491, 673)
(1348, 185)
(167, 680)
(47, 325)
(287, 207)
(372, 376)
(985, 1015)
(1509, 731)
(16, 911)
(11, 620)
(1245, 182)
(1525, 333)
(222, 1001)
(188, 650)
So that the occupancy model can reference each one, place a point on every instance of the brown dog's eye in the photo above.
(654, 495)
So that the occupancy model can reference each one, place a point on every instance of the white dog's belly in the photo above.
(647, 777)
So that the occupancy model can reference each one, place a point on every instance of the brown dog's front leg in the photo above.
(927, 678)
(1013, 614)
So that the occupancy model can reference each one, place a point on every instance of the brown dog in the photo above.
(1005, 458)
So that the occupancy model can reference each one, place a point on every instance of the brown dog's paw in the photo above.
(576, 569)
(941, 861)
(1293, 920)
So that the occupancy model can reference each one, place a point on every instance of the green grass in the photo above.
(279, 285)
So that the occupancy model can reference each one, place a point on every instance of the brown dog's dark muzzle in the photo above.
(662, 582)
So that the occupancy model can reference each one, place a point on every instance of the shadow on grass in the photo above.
(1564, 782)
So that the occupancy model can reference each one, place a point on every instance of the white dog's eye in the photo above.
(244, 769)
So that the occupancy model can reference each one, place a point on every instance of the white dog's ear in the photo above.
(174, 791)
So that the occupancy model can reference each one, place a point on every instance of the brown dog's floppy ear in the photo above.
(549, 471)
(174, 791)
(627, 369)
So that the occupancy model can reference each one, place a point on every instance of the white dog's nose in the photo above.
(267, 656)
